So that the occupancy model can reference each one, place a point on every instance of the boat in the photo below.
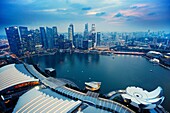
(93, 86)
(154, 60)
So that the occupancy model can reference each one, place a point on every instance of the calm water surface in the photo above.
(115, 74)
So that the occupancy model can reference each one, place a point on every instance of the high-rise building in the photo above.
(86, 32)
(55, 35)
(71, 34)
(78, 41)
(87, 44)
(72, 27)
(31, 42)
(98, 38)
(14, 40)
(37, 37)
(24, 38)
(93, 38)
(93, 28)
(50, 39)
(60, 44)
(92, 35)
(43, 37)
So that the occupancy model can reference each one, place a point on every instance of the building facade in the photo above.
(14, 40)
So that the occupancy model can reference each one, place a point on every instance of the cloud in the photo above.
(92, 13)
(135, 6)
(100, 14)
(130, 12)
(118, 15)
(86, 8)
(53, 10)
(25, 2)
(151, 14)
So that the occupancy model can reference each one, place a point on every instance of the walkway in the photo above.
(97, 102)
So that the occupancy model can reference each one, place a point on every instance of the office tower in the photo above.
(78, 41)
(61, 41)
(98, 38)
(126, 40)
(55, 35)
(37, 37)
(43, 37)
(93, 38)
(87, 44)
(31, 42)
(24, 38)
(86, 32)
(14, 40)
(50, 39)
(92, 35)
(71, 34)
(93, 28)
(72, 27)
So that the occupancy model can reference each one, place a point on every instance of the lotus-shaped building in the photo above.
(143, 99)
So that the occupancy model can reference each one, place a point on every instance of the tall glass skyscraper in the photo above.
(37, 38)
(14, 40)
(93, 28)
(50, 39)
(98, 38)
(86, 32)
(43, 37)
(24, 38)
(72, 27)
(71, 34)
(55, 35)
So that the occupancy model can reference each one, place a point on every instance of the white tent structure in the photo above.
(143, 99)
(14, 74)
(35, 101)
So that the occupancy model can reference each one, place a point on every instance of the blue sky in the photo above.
(108, 15)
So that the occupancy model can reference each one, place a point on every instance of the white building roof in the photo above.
(10, 76)
(154, 52)
(37, 102)
(93, 84)
(50, 69)
(138, 97)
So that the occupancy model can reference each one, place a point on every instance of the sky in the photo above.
(107, 15)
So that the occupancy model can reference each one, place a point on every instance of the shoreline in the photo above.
(113, 53)
(166, 67)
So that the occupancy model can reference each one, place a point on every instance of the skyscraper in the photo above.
(93, 35)
(14, 40)
(72, 27)
(86, 32)
(78, 41)
(24, 38)
(98, 38)
(36, 36)
(93, 28)
(55, 35)
(31, 42)
(71, 34)
(50, 39)
(43, 37)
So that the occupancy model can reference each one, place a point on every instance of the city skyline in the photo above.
(107, 15)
